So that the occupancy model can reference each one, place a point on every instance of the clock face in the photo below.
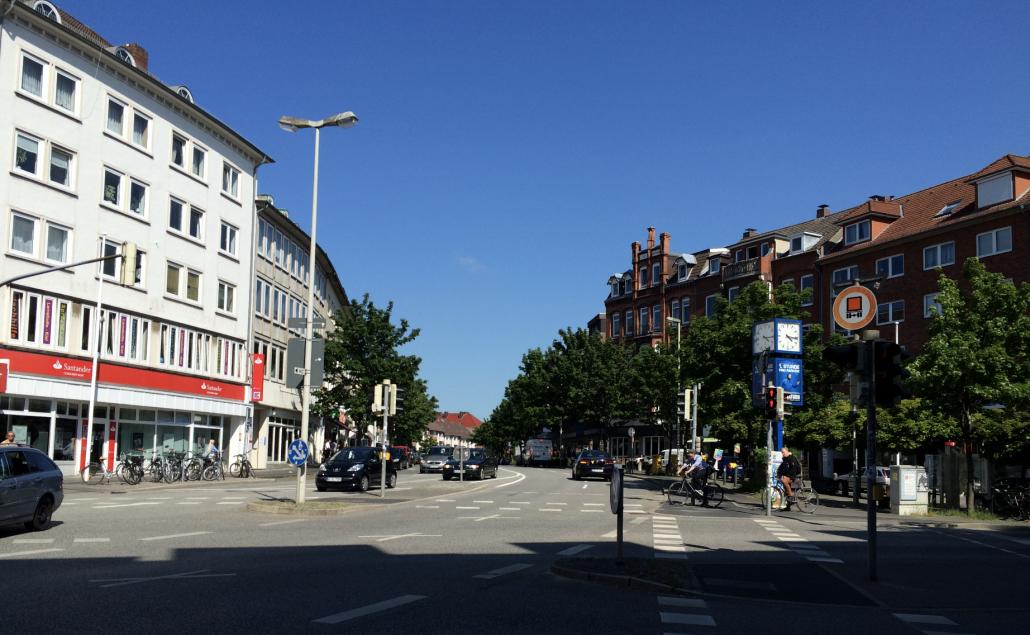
(762, 337)
(788, 337)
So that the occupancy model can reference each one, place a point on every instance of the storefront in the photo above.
(138, 410)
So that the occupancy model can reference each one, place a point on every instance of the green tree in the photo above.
(977, 354)
(652, 385)
(360, 352)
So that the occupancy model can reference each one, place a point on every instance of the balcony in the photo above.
(742, 269)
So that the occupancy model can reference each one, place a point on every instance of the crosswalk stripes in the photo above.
(796, 543)
(668, 543)
(671, 610)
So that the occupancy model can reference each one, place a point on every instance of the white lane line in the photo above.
(489, 575)
(368, 610)
(788, 534)
(984, 544)
(550, 510)
(189, 503)
(571, 551)
(197, 498)
(593, 504)
(519, 479)
(676, 540)
(241, 502)
(584, 485)
(430, 507)
(916, 618)
(464, 507)
(687, 618)
(510, 509)
(549, 503)
(284, 522)
(28, 553)
(483, 502)
(690, 603)
(670, 548)
(92, 540)
(632, 504)
(591, 511)
(33, 541)
(635, 511)
(519, 502)
(125, 505)
(170, 536)
(789, 539)
(445, 500)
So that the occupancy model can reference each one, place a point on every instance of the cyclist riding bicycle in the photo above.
(789, 470)
(694, 468)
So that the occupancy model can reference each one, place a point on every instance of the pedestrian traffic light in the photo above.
(770, 402)
(127, 275)
(779, 404)
(890, 374)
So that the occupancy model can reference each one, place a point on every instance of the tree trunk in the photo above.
(967, 447)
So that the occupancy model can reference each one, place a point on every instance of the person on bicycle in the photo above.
(211, 452)
(694, 468)
(789, 470)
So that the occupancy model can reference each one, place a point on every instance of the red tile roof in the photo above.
(466, 419)
(1007, 162)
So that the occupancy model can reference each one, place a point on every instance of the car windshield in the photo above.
(352, 454)
(440, 452)
(596, 454)
(477, 454)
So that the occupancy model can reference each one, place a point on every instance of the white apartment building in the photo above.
(96, 151)
(280, 294)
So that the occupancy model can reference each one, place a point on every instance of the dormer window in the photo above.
(994, 190)
(713, 266)
(47, 10)
(857, 232)
(681, 271)
(615, 289)
(124, 55)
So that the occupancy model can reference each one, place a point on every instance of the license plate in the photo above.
(597, 469)
(334, 479)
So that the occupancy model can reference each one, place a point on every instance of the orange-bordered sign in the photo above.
(854, 307)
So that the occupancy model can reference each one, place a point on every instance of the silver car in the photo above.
(434, 461)
(31, 487)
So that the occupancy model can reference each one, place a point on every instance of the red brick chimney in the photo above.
(822, 211)
(664, 239)
(650, 238)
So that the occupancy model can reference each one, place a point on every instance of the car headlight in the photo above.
(472, 467)
(356, 467)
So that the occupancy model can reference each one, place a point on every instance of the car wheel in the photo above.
(43, 514)
(391, 481)
(320, 488)
(575, 476)
(446, 477)
(494, 474)
(363, 484)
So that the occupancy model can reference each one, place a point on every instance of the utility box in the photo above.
(909, 490)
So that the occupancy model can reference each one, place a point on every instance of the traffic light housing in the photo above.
(890, 373)
(774, 403)
(398, 399)
(847, 356)
(683, 404)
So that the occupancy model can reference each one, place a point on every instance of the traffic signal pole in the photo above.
(870, 450)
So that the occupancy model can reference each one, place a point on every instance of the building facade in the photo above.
(97, 152)
(280, 295)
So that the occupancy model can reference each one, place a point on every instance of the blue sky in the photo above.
(508, 153)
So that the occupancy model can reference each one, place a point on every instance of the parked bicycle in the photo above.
(1007, 501)
(241, 467)
(131, 469)
(806, 498)
(96, 473)
(710, 492)
(213, 468)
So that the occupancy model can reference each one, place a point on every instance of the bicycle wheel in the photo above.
(714, 493)
(234, 469)
(88, 473)
(193, 471)
(807, 499)
(210, 472)
(132, 474)
(677, 490)
(245, 470)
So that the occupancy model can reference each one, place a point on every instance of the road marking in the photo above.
(189, 575)
(690, 603)
(789, 539)
(170, 536)
(571, 551)
(544, 509)
(189, 503)
(28, 553)
(510, 509)
(389, 538)
(915, 618)
(635, 511)
(445, 500)
(33, 541)
(284, 522)
(429, 506)
(983, 544)
(489, 575)
(674, 540)
(687, 618)
(593, 504)
(463, 507)
(197, 498)
(241, 502)
(632, 504)
(483, 502)
(555, 503)
(788, 534)
(519, 502)
(611, 534)
(92, 540)
(591, 511)
(159, 498)
(125, 505)
(518, 479)
(368, 610)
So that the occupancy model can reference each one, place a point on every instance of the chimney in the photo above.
(139, 55)
(664, 238)
(749, 232)
(822, 211)
(877, 197)
(650, 238)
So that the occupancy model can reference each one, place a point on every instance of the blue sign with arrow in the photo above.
(298, 453)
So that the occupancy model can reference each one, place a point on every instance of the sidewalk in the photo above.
(72, 483)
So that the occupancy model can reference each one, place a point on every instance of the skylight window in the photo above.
(948, 209)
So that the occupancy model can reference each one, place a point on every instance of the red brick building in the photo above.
(906, 241)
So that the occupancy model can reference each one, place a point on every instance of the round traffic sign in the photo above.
(631, 432)
(854, 307)
(298, 453)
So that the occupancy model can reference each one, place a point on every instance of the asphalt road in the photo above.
(438, 557)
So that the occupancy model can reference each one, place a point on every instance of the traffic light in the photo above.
(890, 374)
(398, 399)
(779, 410)
(683, 404)
(847, 356)
(127, 275)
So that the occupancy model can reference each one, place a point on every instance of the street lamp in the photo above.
(292, 124)
(679, 325)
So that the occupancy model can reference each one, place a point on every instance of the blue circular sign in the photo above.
(298, 453)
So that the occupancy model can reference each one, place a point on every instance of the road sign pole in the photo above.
(870, 455)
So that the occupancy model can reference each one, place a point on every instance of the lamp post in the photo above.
(292, 124)
(679, 325)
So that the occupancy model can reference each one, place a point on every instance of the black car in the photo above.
(31, 487)
(592, 463)
(478, 464)
(355, 468)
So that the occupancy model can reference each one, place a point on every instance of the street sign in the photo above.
(854, 307)
(632, 432)
(295, 362)
(298, 453)
(302, 323)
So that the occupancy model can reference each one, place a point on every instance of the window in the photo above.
(184, 348)
(61, 166)
(681, 271)
(752, 252)
(997, 241)
(226, 297)
(227, 241)
(115, 117)
(280, 256)
(842, 277)
(891, 267)
(175, 214)
(199, 156)
(137, 197)
(172, 279)
(940, 255)
(179, 151)
(643, 320)
(109, 268)
(615, 289)
(39, 320)
(65, 90)
(141, 130)
(685, 307)
(23, 234)
(629, 322)
(193, 285)
(196, 229)
(26, 157)
(732, 293)
(643, 277)
(765, 249)
(788, 281)
(931, 307)
(857, 232)
(57, 239)
(112, 187)
(675, 309)
(138, 278)
(125, 336)
(738, 256)
(994, 190)
(656, 274)
(230, 180)
(656, 318)
(616, 325)
(711, 304)
(887, 312)
(808, 282)
(32, 76)
(713, 266)
(797, 245)
(948, 209)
